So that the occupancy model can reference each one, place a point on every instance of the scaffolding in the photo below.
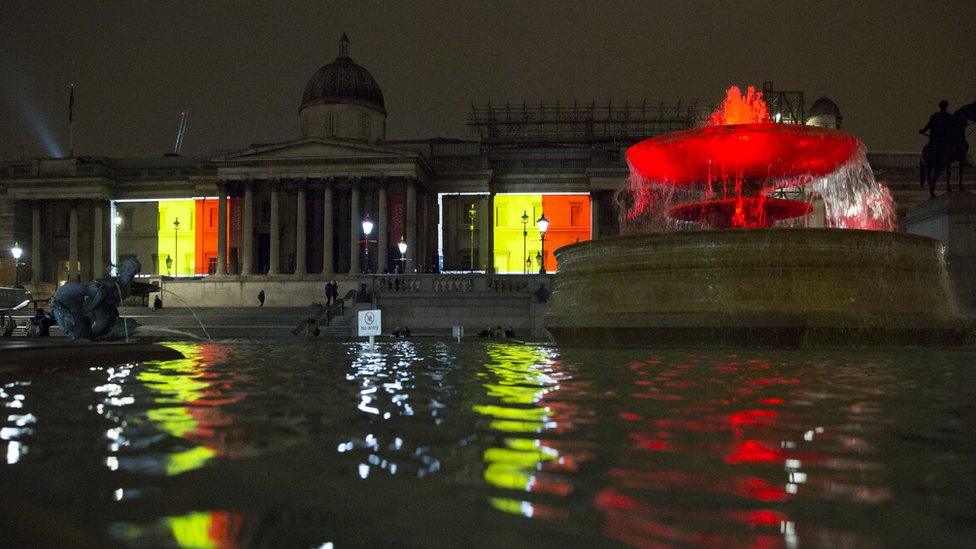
(578, 123)
(785, 107)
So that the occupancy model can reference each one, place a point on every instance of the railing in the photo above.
(453, 283)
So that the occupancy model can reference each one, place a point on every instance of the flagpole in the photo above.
(71, 122)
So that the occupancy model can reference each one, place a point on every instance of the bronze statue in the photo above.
(92, 311)
(947, 144)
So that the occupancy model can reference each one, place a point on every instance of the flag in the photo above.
(71, 104)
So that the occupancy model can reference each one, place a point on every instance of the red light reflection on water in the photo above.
(745, 463)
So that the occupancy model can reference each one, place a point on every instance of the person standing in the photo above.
(335, 291)
(9, 326)
(261, 298)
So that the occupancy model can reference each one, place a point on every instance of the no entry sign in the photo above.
(370, 323)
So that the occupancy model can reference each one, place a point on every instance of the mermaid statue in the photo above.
(92, 311)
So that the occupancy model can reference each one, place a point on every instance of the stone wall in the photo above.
(427, 304)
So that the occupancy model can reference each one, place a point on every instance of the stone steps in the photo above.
(220, 323)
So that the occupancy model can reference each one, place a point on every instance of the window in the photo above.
(211, 265)
(575, 215)
(213, 222)
(364, 125)
(330, 123)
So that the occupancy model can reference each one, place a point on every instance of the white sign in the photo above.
(457, 332)
(369, 323)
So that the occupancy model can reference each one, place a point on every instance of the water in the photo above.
(440, 444)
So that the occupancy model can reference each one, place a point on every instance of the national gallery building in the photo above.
(295, 210)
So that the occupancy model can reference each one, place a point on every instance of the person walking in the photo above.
(261, 298)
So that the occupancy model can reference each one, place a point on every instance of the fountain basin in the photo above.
(776, 287)
(765, 151)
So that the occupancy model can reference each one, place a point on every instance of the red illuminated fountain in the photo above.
(727, 174)
(750, 233)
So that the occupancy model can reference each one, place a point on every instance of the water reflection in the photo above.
(187, 404)
(713, 437)
(19, 424)
(394, 408)
(521, 383)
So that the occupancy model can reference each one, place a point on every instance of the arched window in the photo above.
(364, 125)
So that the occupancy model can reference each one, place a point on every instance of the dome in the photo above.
(824, 107)
(344, 82)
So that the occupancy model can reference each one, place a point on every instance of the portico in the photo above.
(304, 201)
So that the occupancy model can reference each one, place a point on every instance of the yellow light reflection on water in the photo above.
(517, 381)
(179, 382)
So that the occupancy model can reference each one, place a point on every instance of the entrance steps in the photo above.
(232, 322)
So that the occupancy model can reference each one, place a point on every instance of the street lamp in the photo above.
(543, 225)
(472, 214)
(16, 252)
(367, 230)
(169, 264)
(176, 246)
(525, 234)
(117, 219)
(402, 246)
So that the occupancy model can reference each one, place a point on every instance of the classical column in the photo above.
(327, 230)
(382, 232)
(221, 229)
(275, 231)
(35, 256)
(484, 233)
(98, 260)
(594, 215)
(73, 274)
(412, 224)
(247, 239)
(424, 237)
(354, 229)
(300, 231)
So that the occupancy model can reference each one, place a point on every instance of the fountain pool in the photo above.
(315, 444)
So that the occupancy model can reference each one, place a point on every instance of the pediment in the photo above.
(310, 149)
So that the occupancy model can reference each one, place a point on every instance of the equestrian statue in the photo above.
(947, 144)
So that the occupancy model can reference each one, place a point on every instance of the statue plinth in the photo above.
(951, 219)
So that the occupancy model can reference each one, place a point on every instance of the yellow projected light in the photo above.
(508, 232)
(176, 242)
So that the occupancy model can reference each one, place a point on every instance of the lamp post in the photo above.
(543, 225)
(402, 246)
(169, 264)
(525, 234)
(472, 214)
(367, 230)
(176, 246)
(16, 252)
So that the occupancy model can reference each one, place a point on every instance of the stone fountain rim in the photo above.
(739, 233)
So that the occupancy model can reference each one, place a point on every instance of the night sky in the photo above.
(239, 69)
